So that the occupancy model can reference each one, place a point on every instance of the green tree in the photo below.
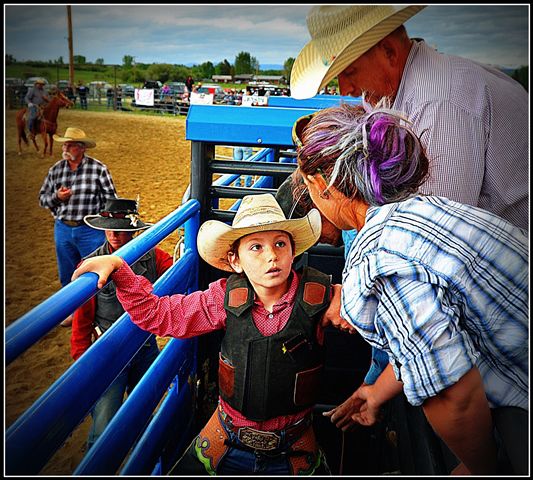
(245, 63)
(127, 60)
(99, 61)
(10, 59)
(223, 68)
(159, 71)
(287, 68)
(80, 60)
(205, 70)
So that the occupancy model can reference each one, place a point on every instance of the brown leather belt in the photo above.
(73, 223)
(266, 441)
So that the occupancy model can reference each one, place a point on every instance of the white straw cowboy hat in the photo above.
(340, 34)
(119, 215)
(75, 135)
(256, 213)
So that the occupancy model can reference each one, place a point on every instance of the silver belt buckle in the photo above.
(259, 440)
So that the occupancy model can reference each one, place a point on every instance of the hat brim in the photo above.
(309, 73)
(86, 141)
(215, 238)
(115, 224)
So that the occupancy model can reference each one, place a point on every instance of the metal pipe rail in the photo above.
(44, 427)
(36, 323)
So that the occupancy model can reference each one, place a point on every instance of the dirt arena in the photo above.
(147, 156)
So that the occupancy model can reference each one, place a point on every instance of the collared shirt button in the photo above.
(270, 315)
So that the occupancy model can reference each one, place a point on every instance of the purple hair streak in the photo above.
(365, 151)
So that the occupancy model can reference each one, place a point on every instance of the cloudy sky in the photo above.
(192, 34)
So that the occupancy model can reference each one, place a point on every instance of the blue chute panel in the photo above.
(230, 124)
(316, 102)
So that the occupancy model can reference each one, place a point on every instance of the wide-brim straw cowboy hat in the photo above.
(339, 36)
(39, 80)
(256, 213)
(75, 135)
(119, 215)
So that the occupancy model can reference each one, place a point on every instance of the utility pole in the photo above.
(70, 49)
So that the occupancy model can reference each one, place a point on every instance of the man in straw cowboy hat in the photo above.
(120, 221)
(472, 118)
(76, 186)
(271, 354)
(35, 97)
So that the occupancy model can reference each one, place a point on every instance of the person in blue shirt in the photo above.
(440, 286)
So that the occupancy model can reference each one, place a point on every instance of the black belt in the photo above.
(266, 441)
(73, 223)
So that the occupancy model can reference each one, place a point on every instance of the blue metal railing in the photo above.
(29, 328)
(40, 431)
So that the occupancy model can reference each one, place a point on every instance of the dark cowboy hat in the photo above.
(119, 215)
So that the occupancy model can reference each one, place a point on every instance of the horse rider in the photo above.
(35, 97)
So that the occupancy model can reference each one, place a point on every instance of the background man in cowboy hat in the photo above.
(76, 186)
(120, 221)
(271, 317)
(35, 96)
(472, 118)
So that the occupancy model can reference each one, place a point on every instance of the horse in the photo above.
(45, 123)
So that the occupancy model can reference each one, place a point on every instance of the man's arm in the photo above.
(461, 416)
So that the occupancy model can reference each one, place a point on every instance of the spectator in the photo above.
(119, 98)
(165, 92)
(371, 52)
(35, 97)
(120, 221)
(268, 431)
(189, 83)
(420, 283)
(239, 154)
(83, 92)
(76, 186)
(110, 94)
(70, 94)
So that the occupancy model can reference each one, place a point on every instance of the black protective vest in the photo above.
(108, 308)
(265, 377)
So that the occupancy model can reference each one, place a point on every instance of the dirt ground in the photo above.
(147, 156)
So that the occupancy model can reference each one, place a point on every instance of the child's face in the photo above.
(265, 257)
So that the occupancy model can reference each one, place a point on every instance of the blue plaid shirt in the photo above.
(91, 185)
(442, 287)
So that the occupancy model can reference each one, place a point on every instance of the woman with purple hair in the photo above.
(441, 287)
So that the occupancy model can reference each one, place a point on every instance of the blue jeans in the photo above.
(243, 153)
(32, 115)
(72, 244)
(110, 402)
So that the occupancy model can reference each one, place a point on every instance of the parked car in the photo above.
(156, 85)
(216, 90)
(127, 90)
(13, 82)
(177, 88)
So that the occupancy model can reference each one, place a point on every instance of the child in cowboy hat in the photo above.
(120, 221)
(271, 355)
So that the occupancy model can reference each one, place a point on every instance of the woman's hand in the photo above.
(332, 316)
(103, 266)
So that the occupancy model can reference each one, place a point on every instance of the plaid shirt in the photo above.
(442, 287)
(473, 121)
(91, 185)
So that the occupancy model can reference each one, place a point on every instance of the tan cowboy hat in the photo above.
(75, 135)
(39, 80)
(257, 213)
(340, 34)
